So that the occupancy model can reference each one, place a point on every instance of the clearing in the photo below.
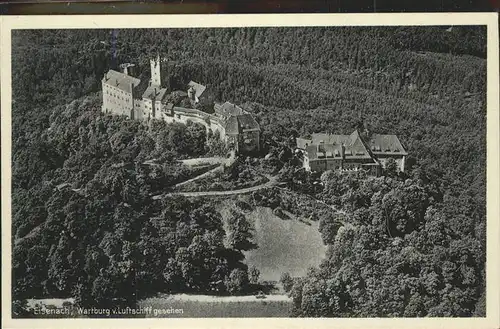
(283, 245)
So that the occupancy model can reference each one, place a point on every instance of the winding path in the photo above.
(272, 182)
(208, 173)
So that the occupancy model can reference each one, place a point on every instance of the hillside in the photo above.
(283, 245)
(426, 85)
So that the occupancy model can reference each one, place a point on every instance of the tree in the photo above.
(386, 259)
(103, 290)
(237, 282)
(254, 274)
(286, 281)
(391, 168)
(329, 226)
(239, 232)
(20, 308)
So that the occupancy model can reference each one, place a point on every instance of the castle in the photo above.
(121, 95)
(352, 152)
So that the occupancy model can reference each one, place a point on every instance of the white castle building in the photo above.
(121, 96)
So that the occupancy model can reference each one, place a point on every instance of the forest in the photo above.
(84, 225)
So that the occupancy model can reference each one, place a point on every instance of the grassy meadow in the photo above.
(283, 245)
(221, 307)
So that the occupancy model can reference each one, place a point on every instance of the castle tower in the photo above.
(155, 71)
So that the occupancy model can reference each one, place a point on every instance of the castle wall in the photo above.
(116, 101)
(216, 126)
(143, 110)
(183, 117)
(210, 122)
(119, 102)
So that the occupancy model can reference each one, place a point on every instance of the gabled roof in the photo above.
(232, 126)
(228, 109)
(154, 92)
(198, 88)
(331, 139)
(324, 151)
(302, 143)
(169, 107)
(120, 80)
(247, 121)
(355, 147)
(180, 93)
(237, 123)
(386, 144)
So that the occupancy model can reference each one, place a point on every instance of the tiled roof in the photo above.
(161, 94)
(247, 121)
(151, 91)
(169, 107)
(237, 123)
(120, 80)
(330, 139)
(198, 88)
(355, 147)
(228, 109)
(324, 151)
(179, 93)
(232, 126)
(386, 144)
(302, 143)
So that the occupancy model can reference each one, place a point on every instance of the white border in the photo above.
(7, 23)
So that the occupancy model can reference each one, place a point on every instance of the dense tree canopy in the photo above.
(83, 222)
(87, 226)
(398, 252)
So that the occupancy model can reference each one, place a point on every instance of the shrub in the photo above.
(237, 282)
(287, 281)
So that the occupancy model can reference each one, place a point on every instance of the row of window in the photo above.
(337, 165)
(111, 100)
(118, 96)
(341, 168)
(118, 90)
